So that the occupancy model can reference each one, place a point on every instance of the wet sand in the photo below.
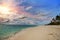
(38, 33)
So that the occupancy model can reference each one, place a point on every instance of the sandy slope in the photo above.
(38, 33)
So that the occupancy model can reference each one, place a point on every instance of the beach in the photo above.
(38, 33)
(7, 31)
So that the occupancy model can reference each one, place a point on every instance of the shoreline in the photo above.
(35, 33)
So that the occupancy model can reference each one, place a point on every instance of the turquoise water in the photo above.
(6, 30)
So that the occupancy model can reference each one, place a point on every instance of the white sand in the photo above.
(38, 33)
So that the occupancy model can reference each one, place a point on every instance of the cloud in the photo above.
(28, 8)
(43, 10)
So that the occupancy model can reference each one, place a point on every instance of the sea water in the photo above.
(7, 30)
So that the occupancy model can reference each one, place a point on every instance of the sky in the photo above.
(37, 11)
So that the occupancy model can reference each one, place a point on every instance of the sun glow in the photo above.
(4, 10)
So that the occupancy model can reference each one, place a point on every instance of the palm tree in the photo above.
(55, 21)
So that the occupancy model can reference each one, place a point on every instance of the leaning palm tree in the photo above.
(55, 21)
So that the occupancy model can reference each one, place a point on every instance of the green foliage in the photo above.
(55, 21)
